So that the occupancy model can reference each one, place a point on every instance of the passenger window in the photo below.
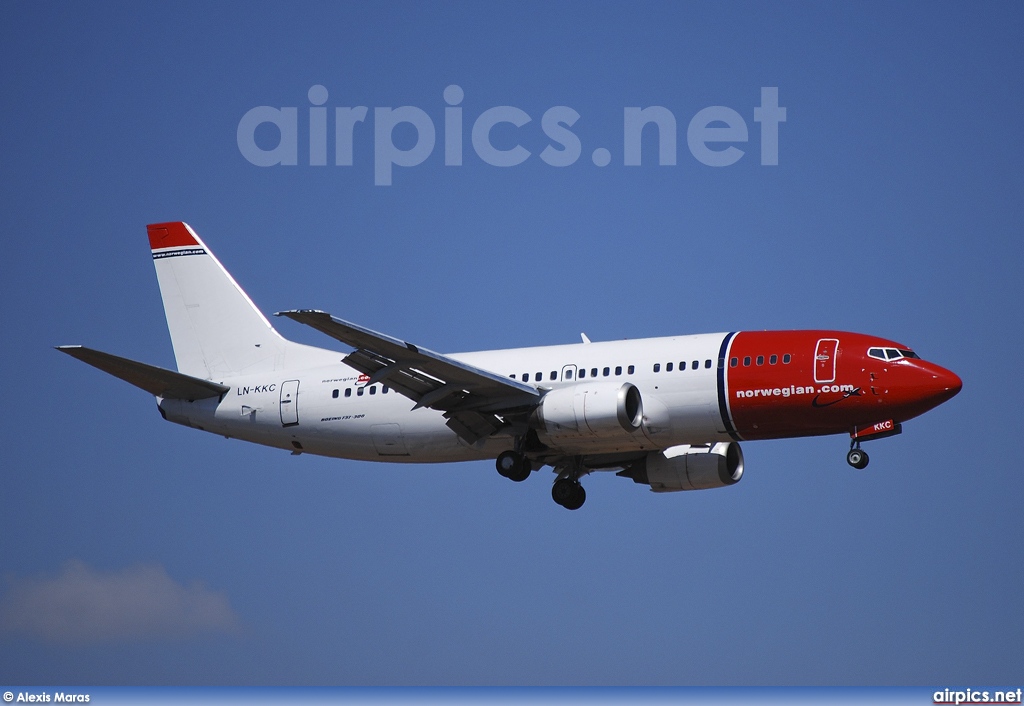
(707, 363)
(526, 377)
(583, 373)
(733, 362)
(760, 360)
(334, 394)
(668, 367)
(606, 372)
(786, 358)
(554, 374)
(384, 390)
(746, 361)
(593, 372)
(618, 370)
(537, 377)
(359, 392)
(657, 367)
(348, 392)
(682, 365)
(630, 370)
(373, 390)
(568, 374)
(773, 360)
(696, 364)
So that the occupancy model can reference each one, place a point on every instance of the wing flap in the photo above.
(156, 381)
(472, 426)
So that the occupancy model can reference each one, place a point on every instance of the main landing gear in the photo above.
(856, 457)
(567, 490)
(514, 466)
(568, 493)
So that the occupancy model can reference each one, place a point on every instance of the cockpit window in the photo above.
(890, 353)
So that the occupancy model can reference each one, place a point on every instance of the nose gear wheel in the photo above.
(857, 457)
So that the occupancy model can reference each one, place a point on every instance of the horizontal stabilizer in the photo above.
(156, 381)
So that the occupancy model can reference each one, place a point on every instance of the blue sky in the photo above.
(895, 209)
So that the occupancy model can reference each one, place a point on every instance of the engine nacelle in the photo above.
(591, 410)
(689, 467)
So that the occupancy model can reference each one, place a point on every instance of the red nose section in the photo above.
(921, 386)
(944, 384)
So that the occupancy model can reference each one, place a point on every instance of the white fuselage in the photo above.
(329, 410)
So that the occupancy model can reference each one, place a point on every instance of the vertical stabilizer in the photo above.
(215, 328)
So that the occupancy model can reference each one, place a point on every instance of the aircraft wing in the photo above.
(471, 398)
(156, 381)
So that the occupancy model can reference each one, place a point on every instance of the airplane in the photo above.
(666, 412)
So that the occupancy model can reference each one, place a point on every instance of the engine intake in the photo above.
(689, 467)
(596, 410)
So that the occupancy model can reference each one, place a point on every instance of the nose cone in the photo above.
(918, 386)
(940, 384)
(949, 382)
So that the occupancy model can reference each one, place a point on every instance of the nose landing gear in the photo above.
(879, 430)
(857, 457)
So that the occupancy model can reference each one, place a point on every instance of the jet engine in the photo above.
(595, 410)
(689, 467)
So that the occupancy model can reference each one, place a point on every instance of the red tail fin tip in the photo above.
(169, 235)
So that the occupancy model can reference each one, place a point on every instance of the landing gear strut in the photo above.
(856, 457)
(513, 465)
(568, 493)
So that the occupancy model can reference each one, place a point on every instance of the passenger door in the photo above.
(825, 359)
(289, 403)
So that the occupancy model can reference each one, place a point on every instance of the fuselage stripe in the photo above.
(723, 400)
